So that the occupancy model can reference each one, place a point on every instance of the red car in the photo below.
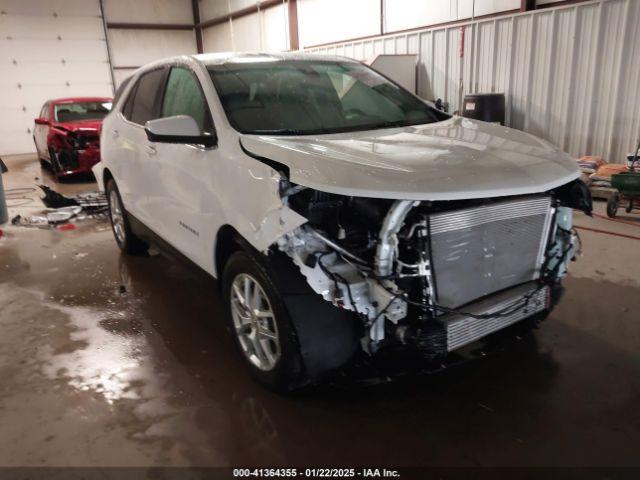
(67, 133)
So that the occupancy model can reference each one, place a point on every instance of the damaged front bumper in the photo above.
(452, 331)
(73, 161)
(473, 272)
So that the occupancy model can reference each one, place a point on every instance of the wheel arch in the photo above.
(106, 176)
(227, 242)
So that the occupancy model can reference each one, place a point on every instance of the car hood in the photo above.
(80, 126)
(450, 160)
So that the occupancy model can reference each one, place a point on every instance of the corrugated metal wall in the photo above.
(571, 74)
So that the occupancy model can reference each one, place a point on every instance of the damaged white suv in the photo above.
(340, 213)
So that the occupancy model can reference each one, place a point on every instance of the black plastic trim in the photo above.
(277, 166)
(207, 141)
(144, 232)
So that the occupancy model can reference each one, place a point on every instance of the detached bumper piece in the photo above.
(517, 304)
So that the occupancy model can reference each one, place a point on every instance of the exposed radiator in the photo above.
(483, 250)
(461, 330)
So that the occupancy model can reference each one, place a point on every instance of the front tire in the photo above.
(128, 242)
(260, 324)
(56, 168)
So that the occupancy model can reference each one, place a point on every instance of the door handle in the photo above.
(151, 150)
(115, 134)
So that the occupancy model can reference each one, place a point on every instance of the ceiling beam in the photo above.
(149, 26)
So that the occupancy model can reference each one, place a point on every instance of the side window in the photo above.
(128, 104)
(44, 113)
(145, 101)
(183, 96)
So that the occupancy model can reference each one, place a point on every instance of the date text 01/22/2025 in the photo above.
(315, 473)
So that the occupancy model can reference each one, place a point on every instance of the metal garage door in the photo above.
(48, 49)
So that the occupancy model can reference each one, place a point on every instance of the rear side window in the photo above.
(183, 96)
(145, 101)
(128, 104)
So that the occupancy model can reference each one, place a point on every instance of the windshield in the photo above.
(74, 112)
(309, 97)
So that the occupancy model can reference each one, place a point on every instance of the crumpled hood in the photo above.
(88, 126)
(450, 160)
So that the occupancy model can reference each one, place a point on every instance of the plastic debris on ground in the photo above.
(62, 210)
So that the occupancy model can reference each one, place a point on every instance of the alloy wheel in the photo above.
(117, 217)
(254, 322)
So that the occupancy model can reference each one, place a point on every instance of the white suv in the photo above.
(341, 214)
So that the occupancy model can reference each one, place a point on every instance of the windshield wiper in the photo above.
(279, 131)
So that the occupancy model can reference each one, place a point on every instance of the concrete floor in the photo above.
(97, 374)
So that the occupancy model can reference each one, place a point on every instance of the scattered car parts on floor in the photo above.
(62, 209)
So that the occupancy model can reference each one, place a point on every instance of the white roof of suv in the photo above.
(234, 57)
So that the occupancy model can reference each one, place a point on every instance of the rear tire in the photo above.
(260, 324)
(612, 206)
(128, 242)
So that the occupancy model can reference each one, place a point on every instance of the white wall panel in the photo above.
(48, 8)
(134, 48)
(210, 9)
(48, 50)
(322, 21)
(467, 8)
(247, 33)
(263, 31)
(217, 38)
(405, 14)
(570, 73)
(40, 27)
(121, 74)
(275, 29)
(148, 11)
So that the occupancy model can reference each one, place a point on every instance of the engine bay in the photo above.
(411, 269)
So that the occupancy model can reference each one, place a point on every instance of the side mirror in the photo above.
(178, 129)
(41, 121)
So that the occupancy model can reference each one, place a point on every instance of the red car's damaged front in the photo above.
(67, 134)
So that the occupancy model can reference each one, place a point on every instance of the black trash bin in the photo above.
(4, 214)
(488, 107)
